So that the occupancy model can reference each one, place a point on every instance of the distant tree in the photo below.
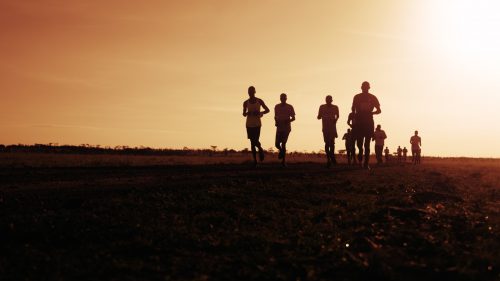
(214, 147)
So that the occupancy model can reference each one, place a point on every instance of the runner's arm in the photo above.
(377, 106)
(266, 109)
(245, 109)
(350, 119)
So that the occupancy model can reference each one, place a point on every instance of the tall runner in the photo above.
(363, 105)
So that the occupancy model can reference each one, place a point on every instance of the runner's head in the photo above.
(365, 86)
(251, 91)
(283, 98)
(348, 130)
(379, 127)
(329, 99)
(416, 133)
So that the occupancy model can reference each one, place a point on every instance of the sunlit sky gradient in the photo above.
(175, 73)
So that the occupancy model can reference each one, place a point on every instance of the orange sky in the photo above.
(175, 73)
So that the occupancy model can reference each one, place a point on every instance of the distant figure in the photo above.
(379, 136)
(283, 116)
(329, 114)
(251, 110)
(416, 143)
(400, 151)
(351, 123)
(405, 152)
(350, 146)
(363, 105)
(386, 151)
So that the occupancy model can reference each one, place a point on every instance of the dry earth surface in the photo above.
(81, 217)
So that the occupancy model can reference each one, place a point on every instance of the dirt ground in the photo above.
(127, 219)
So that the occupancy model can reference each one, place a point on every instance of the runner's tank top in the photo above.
(253, 118)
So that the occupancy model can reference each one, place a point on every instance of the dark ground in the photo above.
(229, 222)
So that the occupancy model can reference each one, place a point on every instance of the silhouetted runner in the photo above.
(416, 143)
(351, 122)
(405, 153)
(283, 116)
(363, 105)
(400, 151)
(349, 147)
(379, 136)
(329, 114)
(386, 151)
(251, 110)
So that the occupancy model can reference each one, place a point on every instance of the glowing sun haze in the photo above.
(175, 73)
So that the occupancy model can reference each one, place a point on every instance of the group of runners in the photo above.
(360, 121)
(402, 153)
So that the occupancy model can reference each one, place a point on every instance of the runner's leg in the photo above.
(367, 140)
(359, 143)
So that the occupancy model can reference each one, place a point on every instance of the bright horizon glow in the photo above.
(175, 74)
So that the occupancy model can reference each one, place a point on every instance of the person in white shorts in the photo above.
(252, 112)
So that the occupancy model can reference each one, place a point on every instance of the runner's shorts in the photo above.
(253, 133)
(364, 129)
(329, 136)
(282, 136)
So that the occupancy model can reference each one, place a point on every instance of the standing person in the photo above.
(399, 153)
(283, 116)
(416, 143)
(405, 152)
(379, 136)
(386, 151)
(349, 147)
(253, 113)
(363, 105)
(329, 114)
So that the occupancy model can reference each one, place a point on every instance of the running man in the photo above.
(416, 143)
(379, 136)
(329, 114)
(362, 106)
(283, 116)
(405, 153)
(386, 151)
(251, 110)
(349, 147)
